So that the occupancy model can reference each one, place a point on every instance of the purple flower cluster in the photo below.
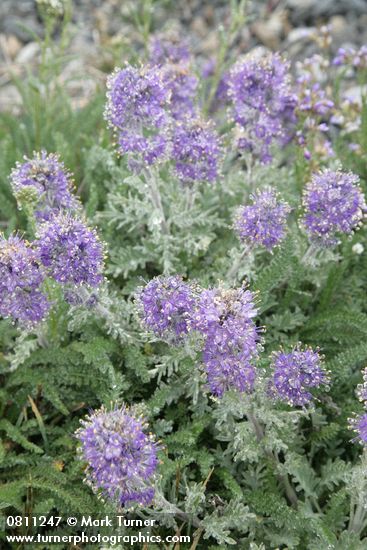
(226, 319)
(21, 277)
(313, 99)
(333, 204)
(264, 222)
(196, 151)
(351, 56)
(121, 458)
(50, 180)
(65, 250)
(315, 107)
(294, 374)
(165, 305)
(137, 101)
(70, 251)
(263, 103)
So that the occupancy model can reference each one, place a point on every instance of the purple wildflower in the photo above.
(21, 277)
(312, 91)
(226, 320)
(263, 103)
(121, 458)
(313, 100)
(333, 203)
(294, 374)
(196, 151)
(359, 425)
(165, 304)
(70, 251)
(263, 222)
(47, 175)
(137, 101)
(351, 56)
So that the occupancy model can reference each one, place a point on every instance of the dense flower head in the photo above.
(137, 101)
(70, 251)
(263, 103)
(21, 277)
(226, 369)
(47, 176)
(165, 304)
(333, 204)
(294, 374)
(264, 222)
(121, 457)
(196, 151)
(226, 320)
(359, 425)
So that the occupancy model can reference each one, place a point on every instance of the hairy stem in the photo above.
(357, 517)
(233, 270)
(155, 195)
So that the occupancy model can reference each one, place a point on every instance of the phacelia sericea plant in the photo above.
(48, 178)
(334, 204)
(70, 252)
(294, 374)
(257, 450)
(263, 104)
(137, 103)
(121, 457)
(263, 222)
(21, 278)
(165, 305)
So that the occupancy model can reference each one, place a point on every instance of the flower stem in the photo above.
(357, 517)
(233, 270)
(155, 195)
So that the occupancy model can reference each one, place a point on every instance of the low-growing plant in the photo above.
(196, 358)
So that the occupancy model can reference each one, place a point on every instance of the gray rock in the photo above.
(308, 10)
